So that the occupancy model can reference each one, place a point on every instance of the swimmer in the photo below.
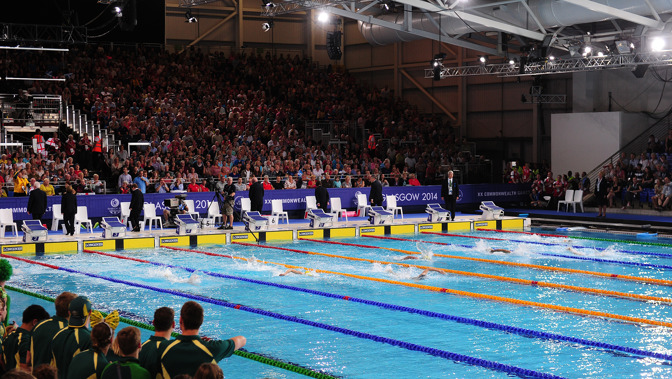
(573, 251)
(297, 272)
(427, 256)
(424, 273)
(500, 251)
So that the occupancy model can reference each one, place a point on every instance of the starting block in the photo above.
(34, 231)
(437, 213)
(254, 221)
(320, 219)
(491, 211)
(186, 224)
(379, 216)
(113, 228)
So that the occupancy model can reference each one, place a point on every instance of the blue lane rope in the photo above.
(463, 320)
(389, 341)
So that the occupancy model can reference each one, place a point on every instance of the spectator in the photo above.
(142, 181)
(164, 324)
(73, 339)
(278, 184)
(413, 181)
(128, 365)
(44, 332)
(91, 363)
(267, 184)
(209, 371)
(47, 187)
(96, 185)
(240, 186)
(16, 346)
(664, 199)
(21, 183)
(177, 185)
(193, 186)
(45, 371)
(290, 183)
(633, 191)
(125, 178)
(229, 194)
(162, 187)
(188, 351)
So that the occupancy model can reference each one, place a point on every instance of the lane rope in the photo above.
(632, 252)
(505, 263)
(475, 294)
(463, 320)
(602, 260)
(583, 238)
(389, 341)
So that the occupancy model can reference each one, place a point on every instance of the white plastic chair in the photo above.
(125, 213)
(7, 219)
(56, 217)
(337, 208)
(362, 204)
(569, 197)
(150, 216)
(311, 203)
(82, 218)
(245, 206)
(213, 214)
(192, 209)
(276, 210)
(392, 206)
(578, 199)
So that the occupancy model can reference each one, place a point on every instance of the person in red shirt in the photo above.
(267, 183)
(413, 181)
(202, 187)
(193, 186)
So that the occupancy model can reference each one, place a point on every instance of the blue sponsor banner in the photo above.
(292, 200)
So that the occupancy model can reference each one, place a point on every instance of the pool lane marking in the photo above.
(536, 283)
(463, 320)
(580, 237)
(661, 282)
(470, 294)
(141, 322)
(630, 252)
(389, 341)
(651, 265)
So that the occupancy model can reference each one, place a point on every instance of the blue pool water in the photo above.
(348, 355)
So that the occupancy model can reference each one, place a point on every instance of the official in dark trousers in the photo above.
(137, 203)
(321, 196)
(37, 202)
(69, 209)
(256, 195)
(376, 194)
(449, 194)
(601, 190)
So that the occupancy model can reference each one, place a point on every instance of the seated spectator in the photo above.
(290, 183)
(188, 351)
(666, 194)
(633, 190)
(128, 365)
(193, 186)
(657, 193)
(47, 187)
(16, 346)
(536, 201)
(278, 184)
(240, 186)
(413, 181)
(267, 184)
(177, 185)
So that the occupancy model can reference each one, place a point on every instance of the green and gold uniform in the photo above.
(149, 355)
(125, 367)
(88, 364)
(66, 344)
(40, 342)
(15, 348)
(185, 354)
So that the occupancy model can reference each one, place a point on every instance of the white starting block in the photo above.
(254, 221)
(186, 224)
(491, 211)
(320, 219)
(437, 213)
(34, 231)
(113, 228)
(379, 216)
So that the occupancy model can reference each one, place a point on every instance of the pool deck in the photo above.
(58, 243)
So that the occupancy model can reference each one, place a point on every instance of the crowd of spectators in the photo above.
(241, 115)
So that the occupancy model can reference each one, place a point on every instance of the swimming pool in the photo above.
(371, 318)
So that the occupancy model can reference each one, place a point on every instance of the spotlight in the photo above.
(266, 26)
(482, 59)
(600, 54)
(512, 62)
(323, 17)
(118, 11)
(587, 50)
(551, 58)
(267, 4)
(657, 44)
(189, 18)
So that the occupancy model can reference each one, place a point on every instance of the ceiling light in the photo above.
(189, 18)
(482, 59)
(600, 54)
(266, 26)
(512, 62)
(657, 44)
(323, 17)
(552, 57)
(587, 50)
(623, 47)
(118, 11)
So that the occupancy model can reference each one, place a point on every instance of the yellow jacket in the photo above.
(49, 190)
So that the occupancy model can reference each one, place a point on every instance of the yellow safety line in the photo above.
(446, 290)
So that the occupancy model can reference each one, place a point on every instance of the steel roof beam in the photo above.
(618, 13)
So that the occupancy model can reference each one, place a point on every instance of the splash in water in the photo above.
(169, 275)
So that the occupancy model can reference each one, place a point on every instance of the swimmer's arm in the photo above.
(291, 271)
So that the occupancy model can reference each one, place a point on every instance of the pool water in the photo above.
(352, 339)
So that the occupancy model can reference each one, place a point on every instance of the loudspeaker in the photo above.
(640, 70)
(128, 20)
(334, 45)
(523, 63)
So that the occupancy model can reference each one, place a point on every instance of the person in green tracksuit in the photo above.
(164, 324)
(5, 273)
(89, 364)
(44, 332)
(128, 366)
(188, 351)
(75, 338)
(16, 347)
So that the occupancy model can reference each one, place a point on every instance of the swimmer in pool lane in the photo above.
(424, 273)
(427, 256)
(297, 272)
(500, 251)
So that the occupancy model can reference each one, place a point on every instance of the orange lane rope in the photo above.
(637, 320)
(661, 282)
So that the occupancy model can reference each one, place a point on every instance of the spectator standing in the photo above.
(187, 352)
(450, 191)
(16, 346)
(74, 339)
(128, 365)
(21, 183)
(91, 363)
(256, 195)
(44, 332)
(164, 324)
(125, 177)
(142, 181)
(69, 209)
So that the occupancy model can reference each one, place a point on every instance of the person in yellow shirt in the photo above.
(47, 187)
(21, 183)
